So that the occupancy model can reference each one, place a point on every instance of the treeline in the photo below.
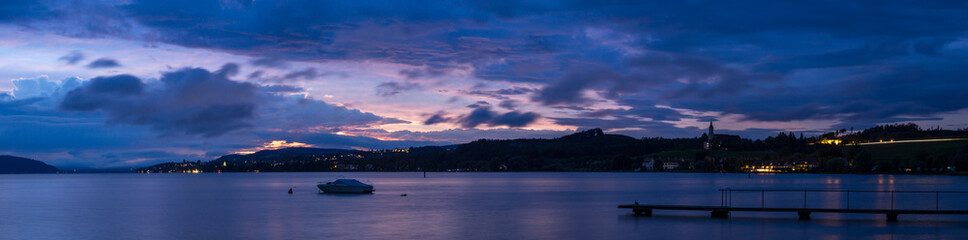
(594, 150)
(899, 131)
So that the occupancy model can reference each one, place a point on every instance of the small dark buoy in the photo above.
(403, 195)
(290, 190)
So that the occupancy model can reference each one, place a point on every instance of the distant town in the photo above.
(895, 149)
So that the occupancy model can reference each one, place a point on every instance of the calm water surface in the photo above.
(458, 206)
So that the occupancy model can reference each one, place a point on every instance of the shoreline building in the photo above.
(720, 141)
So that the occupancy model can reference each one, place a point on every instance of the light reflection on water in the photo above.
(459, 206)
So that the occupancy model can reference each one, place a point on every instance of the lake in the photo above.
(460, 206)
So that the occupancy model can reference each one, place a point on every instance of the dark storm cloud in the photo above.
(72, 58)
(103, 63)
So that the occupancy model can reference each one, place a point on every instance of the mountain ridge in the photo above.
(14, 165)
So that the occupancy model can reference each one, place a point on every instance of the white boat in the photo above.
(345, 186)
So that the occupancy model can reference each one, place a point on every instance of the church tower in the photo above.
(711, 130)
(709, 140)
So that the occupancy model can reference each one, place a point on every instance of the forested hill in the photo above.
(579, 151)
(12, 164)
(593, 150)
(273, 155)
(590, 150)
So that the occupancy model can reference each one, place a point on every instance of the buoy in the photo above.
(290, 190)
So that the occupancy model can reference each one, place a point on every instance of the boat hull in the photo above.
(344, 189)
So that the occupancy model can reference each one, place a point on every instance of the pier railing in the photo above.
(726, 195)
(726, 204)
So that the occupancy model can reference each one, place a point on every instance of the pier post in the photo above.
(642, 212)
(892, 217)
(804, 215)
(720, 214)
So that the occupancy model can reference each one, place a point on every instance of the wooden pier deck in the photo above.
(804, 212)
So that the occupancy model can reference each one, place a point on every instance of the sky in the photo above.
(127, 83)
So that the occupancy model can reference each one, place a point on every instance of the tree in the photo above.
(835, 165)
(960, 160)
(863, 162)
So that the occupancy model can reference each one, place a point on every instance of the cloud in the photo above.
(631, 127)
(438, 117)
(387, 89)
(484, 115)
(763, 60)
(514, 119)
(305, 74)
(194, 101)
(43, 87)
(190, 101)
(499, 94)
(479, 104)
(509, 104)
(103, 63)
(282, 89)
(228, 70)
(270, 63)
(453, 136)
(427, 72)
(72, 58)
(568, 90)
(100, 92)
(22, 10)
(297, 113)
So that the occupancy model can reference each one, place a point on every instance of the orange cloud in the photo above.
(273, 145)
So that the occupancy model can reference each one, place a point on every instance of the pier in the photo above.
(726, 204)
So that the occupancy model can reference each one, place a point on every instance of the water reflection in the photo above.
(458, 206)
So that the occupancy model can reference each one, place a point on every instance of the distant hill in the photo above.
(591, 149)
(274, 155)
(11, 164)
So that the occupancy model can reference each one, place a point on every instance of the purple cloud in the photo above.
(72, 58)
(103, 63)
